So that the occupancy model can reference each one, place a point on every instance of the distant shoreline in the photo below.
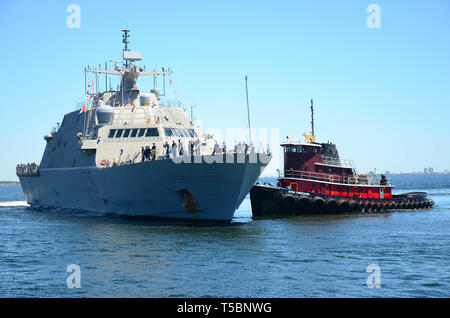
(8, 183)
(390, 173)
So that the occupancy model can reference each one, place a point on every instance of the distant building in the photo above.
(428, 170)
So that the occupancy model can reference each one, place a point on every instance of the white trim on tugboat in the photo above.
(344, 184)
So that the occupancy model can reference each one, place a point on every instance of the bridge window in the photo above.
(181, 132)
(192, 131)
(111, 133)
(291, 148)
(134, 133)
(141, 132)
(126, 133)
(168, 132)
(175, 132)
(152, 132)
(119, 133)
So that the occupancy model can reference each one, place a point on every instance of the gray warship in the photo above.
(97, 158)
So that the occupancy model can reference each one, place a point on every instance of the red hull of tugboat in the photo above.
(272, 201)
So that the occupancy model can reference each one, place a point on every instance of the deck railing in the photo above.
(338, 162)
(355, 179)
(30, 169)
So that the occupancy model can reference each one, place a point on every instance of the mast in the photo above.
(129, 73)
(311, 138)
(192, 113)
(126, 40)
(106, 77)
(248, 111)
(312, 118)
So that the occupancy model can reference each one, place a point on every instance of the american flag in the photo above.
(89, 99)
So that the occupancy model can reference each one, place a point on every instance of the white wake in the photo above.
(14, 203)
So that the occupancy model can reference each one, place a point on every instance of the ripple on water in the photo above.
(298, 257)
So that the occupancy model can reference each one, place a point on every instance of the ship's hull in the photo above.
(271, 201)
(161, 188)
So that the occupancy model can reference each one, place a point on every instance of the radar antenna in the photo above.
(126, 39)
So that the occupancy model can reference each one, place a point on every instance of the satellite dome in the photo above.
(105, 114)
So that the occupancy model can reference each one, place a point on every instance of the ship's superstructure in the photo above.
(124, 151)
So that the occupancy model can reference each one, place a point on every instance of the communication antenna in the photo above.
(106, 77)
(312, 118)
(126, 39)
(248, 111)
(311, 138)
(116, 64)
(192, 113)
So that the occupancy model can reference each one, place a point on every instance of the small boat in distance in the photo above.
(317, 181)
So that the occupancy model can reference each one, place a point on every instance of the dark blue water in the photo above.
(322, 256)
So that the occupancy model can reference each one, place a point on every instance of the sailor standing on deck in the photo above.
(197, 147)
(143, 154)
(166, 145)
(216, 148)
(190, 147)
(174, 149)
(179, 147)
(154, 152)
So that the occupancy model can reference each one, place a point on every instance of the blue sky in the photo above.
(382, 95)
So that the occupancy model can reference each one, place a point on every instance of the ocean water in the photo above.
(305, 256)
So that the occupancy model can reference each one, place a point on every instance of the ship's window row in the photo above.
(300, 149)
(139, 132)
(180, 132)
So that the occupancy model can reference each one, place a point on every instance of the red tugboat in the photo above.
(317, 181)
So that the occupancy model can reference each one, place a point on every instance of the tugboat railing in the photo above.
(338, 162)
(309, 175)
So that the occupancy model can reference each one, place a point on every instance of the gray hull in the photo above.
(160, 188)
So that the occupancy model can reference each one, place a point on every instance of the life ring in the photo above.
(104, 162)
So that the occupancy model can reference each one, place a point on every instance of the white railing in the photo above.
(308, 175)
(338, 162)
